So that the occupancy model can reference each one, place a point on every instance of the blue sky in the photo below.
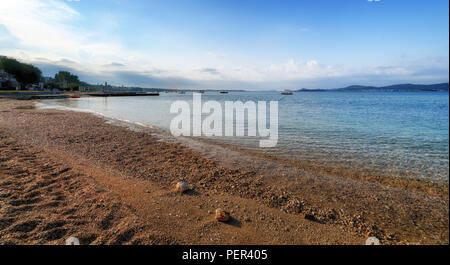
(232, 44)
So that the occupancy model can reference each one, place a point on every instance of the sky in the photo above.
(230, 44)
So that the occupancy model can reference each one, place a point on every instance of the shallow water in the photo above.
(393, 134)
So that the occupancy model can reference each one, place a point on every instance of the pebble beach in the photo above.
(69, 174)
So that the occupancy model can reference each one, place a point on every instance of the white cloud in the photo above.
(46, 32)
(39, 23)
(46, 29)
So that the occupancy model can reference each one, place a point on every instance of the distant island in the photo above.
(443, 87)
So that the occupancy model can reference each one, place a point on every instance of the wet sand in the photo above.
(68, 174)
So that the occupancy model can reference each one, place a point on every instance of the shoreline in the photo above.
(306, 207)
(424, 185)
(430, 187)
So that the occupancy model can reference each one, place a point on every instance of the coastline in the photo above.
(135, 173)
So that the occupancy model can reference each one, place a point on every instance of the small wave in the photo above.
(110, 118)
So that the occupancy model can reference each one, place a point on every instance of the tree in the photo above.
(50, 83)
(24, 73)
(66, 80)
(73, 86)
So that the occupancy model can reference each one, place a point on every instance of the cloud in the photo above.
(39, 23)
(291, 75)
(212, 71)
(50, 69)
(66, 61)
(143, 79)
(47, 28)
(113, 64)
(302, 69)
(45, 32)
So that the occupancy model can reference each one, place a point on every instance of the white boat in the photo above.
(286, 92)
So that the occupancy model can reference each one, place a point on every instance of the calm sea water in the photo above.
(394, 134)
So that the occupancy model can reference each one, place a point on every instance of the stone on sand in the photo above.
(181, 187)
(72, 241)
(222, 216)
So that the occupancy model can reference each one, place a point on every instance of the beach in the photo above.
(65, 173)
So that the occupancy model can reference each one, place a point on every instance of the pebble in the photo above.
(222, 216)
(72, 241)
(181, 187)
(372, 241)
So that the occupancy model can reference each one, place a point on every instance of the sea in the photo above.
(396, 134)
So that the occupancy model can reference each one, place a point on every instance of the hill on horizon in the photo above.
(442, 87)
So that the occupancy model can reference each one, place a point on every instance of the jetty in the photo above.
(124, 94)
(29, 95)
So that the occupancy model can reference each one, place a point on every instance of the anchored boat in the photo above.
(286, 92)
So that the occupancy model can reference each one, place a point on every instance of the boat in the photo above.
(223, 92)
(286, 92)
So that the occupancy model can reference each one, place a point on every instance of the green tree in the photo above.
(66, 80)
(50, 83)
(73, 86)
(25, 74)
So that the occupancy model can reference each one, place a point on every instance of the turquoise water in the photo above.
(394, 134)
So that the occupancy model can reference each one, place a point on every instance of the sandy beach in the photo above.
(65, 173)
